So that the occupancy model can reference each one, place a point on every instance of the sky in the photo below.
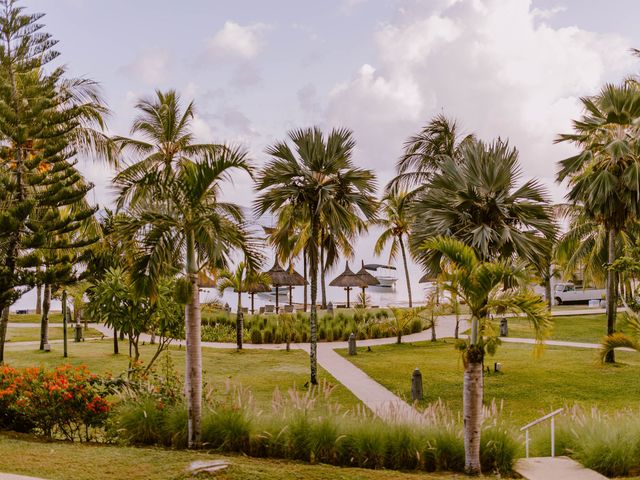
(513, 69)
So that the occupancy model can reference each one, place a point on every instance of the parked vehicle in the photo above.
(568, 293)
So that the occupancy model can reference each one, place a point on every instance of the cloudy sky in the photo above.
(503, 68)
(508, 68)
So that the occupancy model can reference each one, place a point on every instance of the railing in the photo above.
(553, 431)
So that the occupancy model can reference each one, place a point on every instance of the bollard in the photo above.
(330, 308)
(352, 344)
(504, 328)
(497, 367)
(78, 337)
(416, 385)
(46, 347)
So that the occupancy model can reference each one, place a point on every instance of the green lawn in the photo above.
(576, 328)
(260, 370)
(24, 334)
(33, 318)
(23, 455)
(528, 387)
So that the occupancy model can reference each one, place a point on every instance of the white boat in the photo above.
(385, 274)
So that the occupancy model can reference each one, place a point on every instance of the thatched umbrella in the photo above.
(348, 280)
(367, 277)
(295, 279)
(205, 281)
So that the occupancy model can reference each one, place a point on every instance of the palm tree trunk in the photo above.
(64, 324)
(115, 341)
(44, 322)
(239, 323)
(305, 273)
(313, 317)
(4, 320)
(472, 401)
(472, 409)
(406, 269)
(456, 308)
(193, 373)
(547, 292)
(611, 292)
(323, 284)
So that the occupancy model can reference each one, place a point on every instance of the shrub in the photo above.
(256, 336)
(415, 326)
(68, 401)
(267, 336)
(498, 449)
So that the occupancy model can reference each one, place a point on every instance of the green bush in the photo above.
(415, 326)
(141, 421)
(256, 336)
(267, 336)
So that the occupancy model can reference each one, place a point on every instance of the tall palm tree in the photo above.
(485, 286)
(604, 176)
(424, 152)
(475, 199)
(396, 221)
(242, 279)
(171, 204)
(316, 178)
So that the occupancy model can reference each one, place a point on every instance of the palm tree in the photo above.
(318, 180)
(241, 280)
(396, 221)
(438, 139)
(485, 286)
(475, 199)
(603, 177)
(173, 209)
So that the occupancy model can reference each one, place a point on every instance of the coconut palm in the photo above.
(485, 286)
(604, 176)
(242, 279)
(396, 221)
(171, 206)
(475, 199)
(318, 180)
(423, 153)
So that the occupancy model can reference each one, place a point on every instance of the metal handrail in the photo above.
(553, 431)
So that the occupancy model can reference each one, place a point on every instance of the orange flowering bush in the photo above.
(67, 401)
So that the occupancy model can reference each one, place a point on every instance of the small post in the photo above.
(78, 337)
(416, 385)
(526, 443)
(504, 327)
(330, 308)
(553, 436)
(352, 344)
(497, 367)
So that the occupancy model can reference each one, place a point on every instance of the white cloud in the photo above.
(348, 5)
(492, 64)
(149, 66)
(235, 40)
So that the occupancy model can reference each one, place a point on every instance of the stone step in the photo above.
(554, 468)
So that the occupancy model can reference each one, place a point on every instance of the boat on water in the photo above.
(385, 274)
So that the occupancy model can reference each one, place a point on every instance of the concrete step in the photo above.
(554, 468)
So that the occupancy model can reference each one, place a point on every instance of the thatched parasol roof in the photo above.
(367, 277)
(348, 279)
(279, 276)
(296, 278)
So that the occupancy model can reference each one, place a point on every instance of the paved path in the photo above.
(556, 468)
(11, 476)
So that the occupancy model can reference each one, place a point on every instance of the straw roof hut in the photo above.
(348, 280)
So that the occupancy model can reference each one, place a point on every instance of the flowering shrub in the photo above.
(68, 401)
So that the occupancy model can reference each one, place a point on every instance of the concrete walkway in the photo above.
(556, 468)
(11, 476)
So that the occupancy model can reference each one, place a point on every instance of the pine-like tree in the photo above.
(45, 120)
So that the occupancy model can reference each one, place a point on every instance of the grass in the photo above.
(575, 328)
(28, 334)
(260, 370)
(21, 454)
(528, 387)
(33, 318)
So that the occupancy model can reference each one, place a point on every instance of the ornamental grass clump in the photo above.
(608, 443)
